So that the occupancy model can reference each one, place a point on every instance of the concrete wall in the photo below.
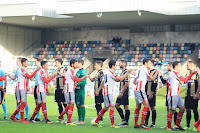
(19, 41)
(104, 35)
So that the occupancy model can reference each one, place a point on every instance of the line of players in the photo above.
(145, 92)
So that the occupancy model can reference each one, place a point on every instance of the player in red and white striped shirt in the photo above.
(140, 95)
(108, 84)
(42, 91)
(22, 88)
(174, 98)
(70, 82)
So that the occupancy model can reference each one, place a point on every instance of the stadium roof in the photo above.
(83, 13)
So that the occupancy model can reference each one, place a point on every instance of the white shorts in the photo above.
(140, 97)
(21, 96)
(41, 97)
(174, 102)
(69, 97)
(108, 100)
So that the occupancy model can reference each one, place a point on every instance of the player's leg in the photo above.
(195, 111)
(67, 101)
(77, 101)
(196, 115)
(172, 104)
(17, 95)
(180, 114)
(153, 110)
(71, 107)
(82, 107)
(27, 111)
(98, 106)
(127, 114)
(4, 105)
(23, 104)
(112, 108)
(138, 101)
(120, 111)
(148, 113)
(166, 104)
(36, 103)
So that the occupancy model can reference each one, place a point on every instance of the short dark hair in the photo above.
(38, 59)
(23, 60)
(170, 63)
(111, 63)
(146, 60)
(72, 61)
(81, 61)
(124, 61)
(19, 58)
(43, 63)
(59, 60)
(175, 63)
(99, 62)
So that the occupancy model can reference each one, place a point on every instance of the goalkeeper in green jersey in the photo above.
(80, 93)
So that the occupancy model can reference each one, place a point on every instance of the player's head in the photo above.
(151, 64)
(24, 62)
(190, 65)
(19, 61)
(44, 65)
(112, 64)
(80, 63)
(98, 65)
(38, 61)
(176, 65)
(147, 62)
(59, 62)
(73, 63)
(169, 66)
(122, 63)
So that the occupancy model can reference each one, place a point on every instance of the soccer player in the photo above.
(37, 64)
(150, 89)
(22, 77)
(19, 64)
(140, 95)
(108, 84)
(123, 97)
(42, 91)
(174, 98)
(190, 102)
(3, 85)
(97, 79)
(60, 82)
(165, 81)
(70, 79)
(80, 93)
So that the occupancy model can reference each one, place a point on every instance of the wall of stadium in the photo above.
(104, 35)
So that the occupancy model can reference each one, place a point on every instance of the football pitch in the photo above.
(52, 109)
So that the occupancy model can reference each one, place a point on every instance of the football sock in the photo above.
(127, 115)
(98, 108)
(83, 114)
(60, 108)
(44, 111)
(196, 115)
(188, 118)
(169, 120)
(79, 113)
(175, 117)
(26, 110)
(22, 106)
(179, 118)
(100, 115)
(136, 116)
(17, 116)
(36, 111)
(147, 118)
(144, 114)
(112, 117)
(38, 115)
(64, 112)
(153, 117)
(69, 114)
(121, 113)
(4, 109)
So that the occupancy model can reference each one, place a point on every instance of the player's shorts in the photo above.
(191, 103)
(41, 97)
(140, 97)
(152, 102)
(69, 97)
(21, 96)
(166, 102)
(124, 100)
(99, 98)
(80, 99)
(35, 92)
(59, 96)
(2, 97)
(174, 102)
(108, 100)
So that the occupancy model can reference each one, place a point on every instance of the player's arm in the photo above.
(48, 80)
(3, 78)
(100, 87)
(117, 78)
(134, 81)
(152, 78)
(92, 79)
(29, 75)
(181, 78)
(163, 80)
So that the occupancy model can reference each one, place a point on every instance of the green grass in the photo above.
(9, 126)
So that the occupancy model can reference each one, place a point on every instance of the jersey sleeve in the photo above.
(147, 72)
(3, 78)
(113, 75)
(45, 79)
(179, 77)
(75, 77)
(83, 82)
(28, 75)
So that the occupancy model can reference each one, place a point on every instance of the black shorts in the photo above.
(35, 92)
(124, 100)
(99, 98)
(166, 103)
(2, 96)
(152, 102)
(59, 96)
(191, 103)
